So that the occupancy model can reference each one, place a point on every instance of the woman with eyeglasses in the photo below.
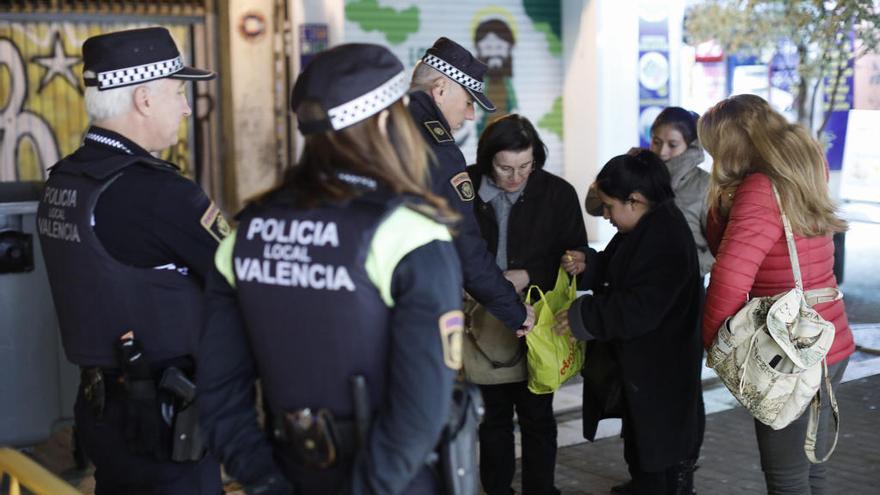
(529, 218)
(644, 354)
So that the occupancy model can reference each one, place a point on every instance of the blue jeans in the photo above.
(786, 467)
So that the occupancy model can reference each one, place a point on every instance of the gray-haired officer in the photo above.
(445, 84)
(128, 242)
(341, 292)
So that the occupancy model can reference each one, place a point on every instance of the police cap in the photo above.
(458, 64)
(124, 58)
(350, 82)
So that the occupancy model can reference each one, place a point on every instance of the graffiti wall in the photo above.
(520, 41)
(42, 116)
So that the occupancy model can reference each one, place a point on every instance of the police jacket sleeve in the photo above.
(225, 379)
(483, 280)
(189, 224)
(425, 321)
(154, 217)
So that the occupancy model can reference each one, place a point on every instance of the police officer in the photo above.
(341, 292)
(128, 242)
(445, 84)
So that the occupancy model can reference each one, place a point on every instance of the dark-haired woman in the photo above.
(529, 217)
(643, 316)
(341, 292)
(674, 140)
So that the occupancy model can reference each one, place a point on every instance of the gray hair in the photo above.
(424, 77)
(104, 105)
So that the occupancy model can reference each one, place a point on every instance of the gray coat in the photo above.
(690, 184)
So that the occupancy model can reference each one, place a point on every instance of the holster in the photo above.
(187, 444)
(458, 445)
(315, 439)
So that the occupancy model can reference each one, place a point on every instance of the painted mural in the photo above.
(520, 41)
(42, 116)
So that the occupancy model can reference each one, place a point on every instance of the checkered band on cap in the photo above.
(146, 72)
(370, 103)
(453, 73)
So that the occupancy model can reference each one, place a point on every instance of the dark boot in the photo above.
(682, 475)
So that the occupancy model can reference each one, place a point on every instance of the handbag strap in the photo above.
(789, 239)
(498, 364)
(823, 295)
(813, 424)
(513, 361)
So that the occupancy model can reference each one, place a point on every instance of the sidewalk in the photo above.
(729, 460)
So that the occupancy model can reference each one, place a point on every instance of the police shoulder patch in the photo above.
(451, 335)
(214, 222)
(438, 132)
(463, 186)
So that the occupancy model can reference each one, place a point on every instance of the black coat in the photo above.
(482, 278)
(545, 221)
(645, 312)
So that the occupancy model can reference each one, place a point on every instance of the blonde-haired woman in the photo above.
(341, 292)
(754, 148)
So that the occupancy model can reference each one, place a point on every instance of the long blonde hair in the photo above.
(745, 135)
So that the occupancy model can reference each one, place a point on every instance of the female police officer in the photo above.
(341, 292)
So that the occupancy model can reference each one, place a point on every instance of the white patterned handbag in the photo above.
(771, 354)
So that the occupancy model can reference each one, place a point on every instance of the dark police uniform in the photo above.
(482, 278)
(127, 242)
(312, 299)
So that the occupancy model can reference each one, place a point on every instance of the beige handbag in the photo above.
(491, 353)
(771, 354)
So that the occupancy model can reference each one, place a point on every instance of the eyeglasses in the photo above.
(508, 171)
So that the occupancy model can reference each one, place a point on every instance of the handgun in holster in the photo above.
(187, 443)
(458, 445)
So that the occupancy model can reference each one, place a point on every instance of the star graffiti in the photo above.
(57, 64)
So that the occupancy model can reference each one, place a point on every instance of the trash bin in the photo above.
(37, 384)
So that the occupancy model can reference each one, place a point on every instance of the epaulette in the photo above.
(438, 132)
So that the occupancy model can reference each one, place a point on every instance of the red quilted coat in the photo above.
(751, 259)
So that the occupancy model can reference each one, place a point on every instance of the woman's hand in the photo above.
(519, 279)
(574, 262)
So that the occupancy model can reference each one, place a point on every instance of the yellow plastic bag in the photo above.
(552, 359)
